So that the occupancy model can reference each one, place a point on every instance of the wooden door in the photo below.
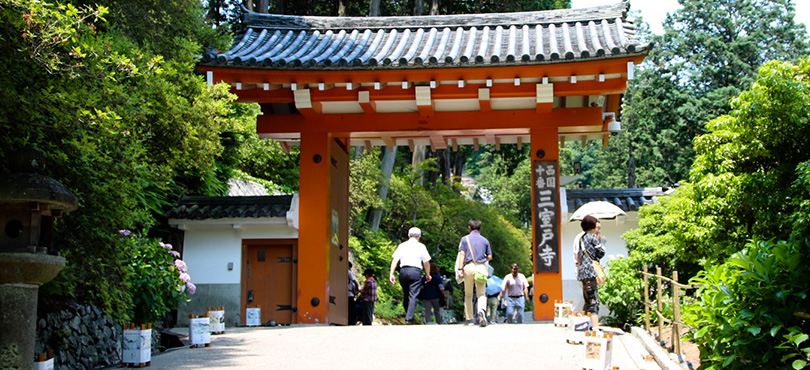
(268, 279)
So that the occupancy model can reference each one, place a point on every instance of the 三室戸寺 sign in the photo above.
(546, 206)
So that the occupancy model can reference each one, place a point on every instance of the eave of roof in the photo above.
(501, 39)
(628, 200)
(204, 208)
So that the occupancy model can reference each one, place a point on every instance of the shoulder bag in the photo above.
(481, 273)
(601, 277)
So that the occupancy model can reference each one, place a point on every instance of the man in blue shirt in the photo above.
(473, 250)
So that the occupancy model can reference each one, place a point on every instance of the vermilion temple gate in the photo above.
(326, 84)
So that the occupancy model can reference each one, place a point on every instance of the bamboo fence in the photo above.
(658, 308)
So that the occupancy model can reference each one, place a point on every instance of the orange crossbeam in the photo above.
(390, 122)
(609, 87)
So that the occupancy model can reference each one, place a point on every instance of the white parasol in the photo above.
(600, 209)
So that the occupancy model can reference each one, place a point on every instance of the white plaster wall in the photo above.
(613, 230)
(207, 249)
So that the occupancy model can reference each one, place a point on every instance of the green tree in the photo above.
(742, 218)
(709, 53)
(504, 177)
(123, 126)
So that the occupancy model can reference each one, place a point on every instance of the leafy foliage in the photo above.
(225, 10)
(743, 220)
(366, 176)
(261, 158)
(751, 302)
(622, 293)
(709, 52)
(373, 251)
(126, 128)
(156, 278)
(505, 177)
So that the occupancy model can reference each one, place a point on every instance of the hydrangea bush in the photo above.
(157, 278)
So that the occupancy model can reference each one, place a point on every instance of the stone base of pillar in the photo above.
(21, 274)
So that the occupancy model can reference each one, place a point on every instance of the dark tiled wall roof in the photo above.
(626, 199)
(202, 208)
(297, 42)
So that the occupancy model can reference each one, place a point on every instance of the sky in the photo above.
(655, 11)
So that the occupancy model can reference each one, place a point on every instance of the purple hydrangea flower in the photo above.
(184, 277)
(191, 287)
(125, 232)
(180, 265)
(175, 254)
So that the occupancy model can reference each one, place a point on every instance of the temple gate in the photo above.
(326, 84)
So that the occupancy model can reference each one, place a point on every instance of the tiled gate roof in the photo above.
(299, 42)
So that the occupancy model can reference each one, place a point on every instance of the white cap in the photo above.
(414, 232)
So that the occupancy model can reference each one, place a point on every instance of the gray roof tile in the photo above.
(204, 208)
(299, 42)
(626, 199)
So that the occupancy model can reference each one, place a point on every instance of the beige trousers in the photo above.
(480, 290)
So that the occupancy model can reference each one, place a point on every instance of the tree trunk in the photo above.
(213, 15)
(419, 7)
(419, 155)
(374, 8)
(263, 6)
(341, 8)
(459, 162)
(248, 4)
(444, 166)
(631, 168)
(434, 7)
(387, 167)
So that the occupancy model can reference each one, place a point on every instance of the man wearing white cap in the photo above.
(413, 257)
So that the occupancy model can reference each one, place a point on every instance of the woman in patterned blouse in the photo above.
(589, 240)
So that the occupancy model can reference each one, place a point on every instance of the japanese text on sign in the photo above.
(546, 232)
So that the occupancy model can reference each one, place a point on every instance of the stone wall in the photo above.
(82, 337)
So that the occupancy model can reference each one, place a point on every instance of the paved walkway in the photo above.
(526, 346)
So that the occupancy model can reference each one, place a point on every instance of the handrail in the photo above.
(659, 307)
(685, 286)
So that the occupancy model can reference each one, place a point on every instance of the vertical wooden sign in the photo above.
(546, 213)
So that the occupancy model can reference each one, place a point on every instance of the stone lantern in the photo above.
(29, 204)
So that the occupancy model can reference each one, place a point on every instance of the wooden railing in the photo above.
(676, 305)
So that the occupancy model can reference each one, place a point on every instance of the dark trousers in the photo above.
(352, 311)
(590, 292)
(366, 312)
(410, 279)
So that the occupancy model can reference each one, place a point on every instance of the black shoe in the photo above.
(482, 320)
(410, 322)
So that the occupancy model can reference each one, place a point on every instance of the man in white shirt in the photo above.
(516, 289)
(412, 257)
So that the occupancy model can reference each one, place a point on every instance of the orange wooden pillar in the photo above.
(323, 235)
(315, 217)
(339, 235)
(546, 251)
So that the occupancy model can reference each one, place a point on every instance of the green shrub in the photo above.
(157, 278)
(751, 302)
(623, 293)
